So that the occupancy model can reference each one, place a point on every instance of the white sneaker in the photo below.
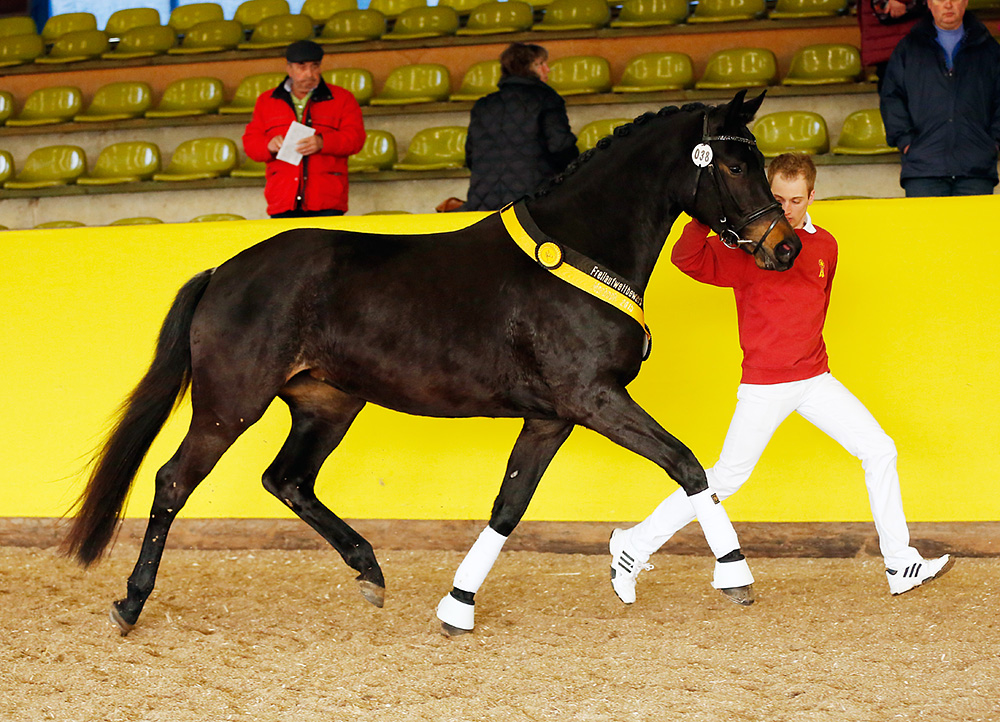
(903, 580)
(625, 566)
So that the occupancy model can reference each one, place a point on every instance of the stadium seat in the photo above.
(791, 131)
(648, 13)
(136, 221)
(378, 153)
(75, 47)
(580, 75)
(61, 224)
(248, 90)
(121, 21)
(595, 130)
(217, 217)
(250, 168)
(575, 15)
(143, 42)
(825, 64)
(6, 166)
(251, 12)
(417, 83)
(189, 96)
(6, 106)
(212, 36)
(863, 133)
(353, 26)
(654, 72)
(200, 159)
(58, 25)
(322, 10)
(795, 9)
(424, 22)
(462, 7)
(49, 166)
(491, 18)
(277, 31)
(393, 8)
(47, 106)
(17, 25)
(480, 79)
(721, 11)
(185, 17)
(542, 4)
(739, 68)
(357, 80)
(126, 162)
(118, 101)
(20, 49)
(435, 149)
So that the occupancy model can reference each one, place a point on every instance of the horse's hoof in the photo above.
(372, 592)
(740, 595)
(449, 630)
(119, 621)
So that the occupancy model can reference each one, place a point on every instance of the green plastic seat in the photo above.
(250, 168)
(654, 72)
(597, 129)
(491, 18)
(76, 46)
(20, 49)
(863, 133)
(251, 12)
(575, 15)
(722, 11)
(118, 101)
(61, 224)
(417, 83)
(249, 90)
(200, 159)
(126, 162)
(791, 131)
(58, 25)
(378, 153)
(17, 25)
(6, 166)
(213, 36)
(47, 106)
(322, 10)
(353, 26)
(6, 106)
(136, 221)
(277, 31)
(217, 217)
(795, 9)
(435, 149)
(143, 42)
(480, 79)
(185, 17)
(121, 21)
(580, 75)
(649, 13)
(824, 64)
(462, 7)
(739, 68)
(358, 81)
(49, 166)
(393, 8)
(424, 22)
(189, 96)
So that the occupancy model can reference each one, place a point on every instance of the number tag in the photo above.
(702, 155)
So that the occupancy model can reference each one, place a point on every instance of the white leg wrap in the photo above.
(715, 524)
(456, 613)
(477, 563)
(732, 574)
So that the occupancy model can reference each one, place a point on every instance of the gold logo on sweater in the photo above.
(822, 268)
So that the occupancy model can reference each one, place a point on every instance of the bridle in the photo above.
(729, 232)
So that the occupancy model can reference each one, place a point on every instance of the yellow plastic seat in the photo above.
(653, 72)
(424, 22)
(118, 101)
(277, 31)
(649, 13)
(136, 221)
(322, 10)
(6, 166)
(6, 106)
(575, 15)
(251, 12)
(143, 42)
(462, 7)
(121, 21)
(249, 90)
(435, 149)
(824, 64)
(58, 25)
(189, 96)
(580, 75)
(200, 159)
(542, 4)
(17, 25)
(490, 18)
(722, 11)
(76, 46)
(863, 133)
(213, 36)
(50, 166)
(795, 9)
(378, 153)
(217, 217)
(597, 129)
(393, 8)
(353, 26)
(791, 131)
(417, 83)
(739, 68)
(358, 81)
(20, 49)
(125, 162)
(61, 224)
(480, 79)
(185, 17)
(47, 106)
(250, 168)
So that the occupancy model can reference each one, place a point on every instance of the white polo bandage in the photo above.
(477, 563)
(715, 524)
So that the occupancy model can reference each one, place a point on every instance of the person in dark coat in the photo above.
(518, 136)
(940, 102)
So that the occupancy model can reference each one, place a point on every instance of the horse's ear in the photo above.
(750, 107)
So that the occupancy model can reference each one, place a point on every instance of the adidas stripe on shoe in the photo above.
(625, 567)
(903, 580)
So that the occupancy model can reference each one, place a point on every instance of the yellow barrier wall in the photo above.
(912, 331)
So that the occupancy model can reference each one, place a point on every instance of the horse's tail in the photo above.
(102, 504)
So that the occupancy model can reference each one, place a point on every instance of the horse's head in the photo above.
(731, 192)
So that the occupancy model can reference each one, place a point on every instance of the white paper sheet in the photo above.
(296, 132)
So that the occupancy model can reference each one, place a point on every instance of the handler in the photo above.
(785, 369)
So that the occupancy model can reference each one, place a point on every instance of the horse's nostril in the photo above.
(783, 251)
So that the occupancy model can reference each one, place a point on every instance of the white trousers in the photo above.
(760, 409)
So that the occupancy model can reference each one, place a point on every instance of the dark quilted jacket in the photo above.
(518, 137)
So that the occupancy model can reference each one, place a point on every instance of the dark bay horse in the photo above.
(456, 324)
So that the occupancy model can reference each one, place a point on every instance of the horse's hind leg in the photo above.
(537, 444)
(321, 416)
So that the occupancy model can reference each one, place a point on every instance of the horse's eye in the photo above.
(736, 169)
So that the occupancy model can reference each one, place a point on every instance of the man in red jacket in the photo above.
(785, 369)
(315, 185)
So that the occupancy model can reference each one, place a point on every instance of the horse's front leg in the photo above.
(536, 445)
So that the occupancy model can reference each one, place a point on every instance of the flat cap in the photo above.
(304, 51)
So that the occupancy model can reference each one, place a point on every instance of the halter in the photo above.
(729, 233)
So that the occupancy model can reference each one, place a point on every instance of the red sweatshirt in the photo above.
(780, 314)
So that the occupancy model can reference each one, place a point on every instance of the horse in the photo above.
(533, 312)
